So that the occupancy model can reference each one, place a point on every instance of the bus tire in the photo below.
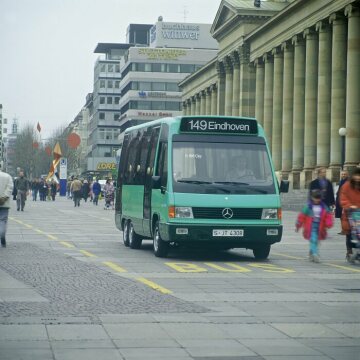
(161, 247)
(134, 239)
(262, 253)
(126, 234)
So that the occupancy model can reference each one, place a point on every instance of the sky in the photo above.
(47, 50)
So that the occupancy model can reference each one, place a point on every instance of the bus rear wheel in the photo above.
(126, 234)
(161, 247)
(262, 253)
(134, 239)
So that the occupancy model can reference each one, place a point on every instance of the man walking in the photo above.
(76, 191)
(325, 187)
(22, 186)
(6, 188)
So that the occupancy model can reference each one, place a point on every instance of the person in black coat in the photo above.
(324, 185)
(344, 176)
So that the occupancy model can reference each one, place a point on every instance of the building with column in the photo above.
(295, 66)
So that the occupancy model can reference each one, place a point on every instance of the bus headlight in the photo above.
(269, 214)
(183, 212)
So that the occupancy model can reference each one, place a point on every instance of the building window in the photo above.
(102, 100)
(102, 116)
(110, 68)
(158, 86)
(102, 84)
(101, 134)
(144, 86)
(172, 87)
(116, 100)
(117, 84)
(110, 84)
(187, 68)
(116, 117)
(158, 105)
(173, 68)
(117, 68)
(172, 105)
(103, 68)
(109, 100)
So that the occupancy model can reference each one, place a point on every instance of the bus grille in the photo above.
(217, 213)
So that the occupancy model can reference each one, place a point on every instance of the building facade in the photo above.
(295, 66)
(150, 75)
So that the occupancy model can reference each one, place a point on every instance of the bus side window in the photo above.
(130, 169)
(164, 165)
(123, 160)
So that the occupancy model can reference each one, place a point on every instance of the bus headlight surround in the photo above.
(269, 214)
(183, 212)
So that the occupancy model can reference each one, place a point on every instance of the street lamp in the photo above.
(342, 133)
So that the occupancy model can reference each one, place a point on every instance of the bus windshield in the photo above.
(221, 168)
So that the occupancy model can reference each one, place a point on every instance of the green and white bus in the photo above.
(198, 181)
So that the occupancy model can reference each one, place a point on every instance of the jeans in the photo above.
(34, 194)
(314, 250)
(96, 199)
(4, 213)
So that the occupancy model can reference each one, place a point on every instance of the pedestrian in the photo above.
(6, 189)
(35, 189)
(96, 189)
(109, 194)
(43, 189)
(22, 186)
(14, 192)
(349, 200)
(315, 218)
(324, 185)
(53, 189)
(76, 191)
(344, 176)
(85, 190)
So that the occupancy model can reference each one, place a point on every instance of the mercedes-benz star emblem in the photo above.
(227, 213)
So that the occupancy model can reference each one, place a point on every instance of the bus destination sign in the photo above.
(223, 125)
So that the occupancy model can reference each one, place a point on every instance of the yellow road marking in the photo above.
(28, 226)
(114, 266)
(272, 268)
(65, 243)
(40, 231)
(231, 267)
(87, 253)
(52, 237)
(289, 256)
(348, 268)
(154, 286)
(183, 267)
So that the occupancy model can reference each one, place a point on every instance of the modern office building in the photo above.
(295, 66)
(150, 75)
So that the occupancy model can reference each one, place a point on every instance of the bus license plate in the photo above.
(228, 233)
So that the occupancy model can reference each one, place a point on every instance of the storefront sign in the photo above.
(156, 114)
(162, 54)
(158, 94)
(106, 166)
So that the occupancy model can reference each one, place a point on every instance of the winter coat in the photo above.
(338, 209)
(348, 197)
(306, 217)
(96, 188)
(327, 192)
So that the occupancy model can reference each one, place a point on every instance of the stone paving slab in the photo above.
(87, 354)
(26, 354)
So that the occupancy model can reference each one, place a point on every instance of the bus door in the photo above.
(148, 180)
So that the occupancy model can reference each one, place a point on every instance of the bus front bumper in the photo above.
(251, 235)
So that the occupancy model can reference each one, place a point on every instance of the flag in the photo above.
(38, 127)
(57, 155)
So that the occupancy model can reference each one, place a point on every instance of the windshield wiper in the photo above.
(193, 181)
(231, 183)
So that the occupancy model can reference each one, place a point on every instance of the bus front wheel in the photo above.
(126, 234)
(262, 253)
(161, 247)
(134, 239)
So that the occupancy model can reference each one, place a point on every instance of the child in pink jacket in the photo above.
(315, 218)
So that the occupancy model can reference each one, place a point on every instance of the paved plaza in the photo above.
(70, 289)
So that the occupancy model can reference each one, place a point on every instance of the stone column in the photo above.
(220, 88)
(287, 113)
(184, 108)
(338, 91)
(252, 90)
(236, 83)
(311, 87)
(207, 101)
(214, 100)
(228, 86)
(352, 153)
(244, 54)
(188, 101)
(259, 97)
(202, 103)
(198, 104)
(268, 97)
(324, 95)
(277, 107)
(299, 109)
(193, 105)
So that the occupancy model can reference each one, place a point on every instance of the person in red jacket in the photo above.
(349, 200)
(315, 218)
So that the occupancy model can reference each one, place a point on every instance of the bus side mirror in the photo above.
(156, 182)
(284, 186)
